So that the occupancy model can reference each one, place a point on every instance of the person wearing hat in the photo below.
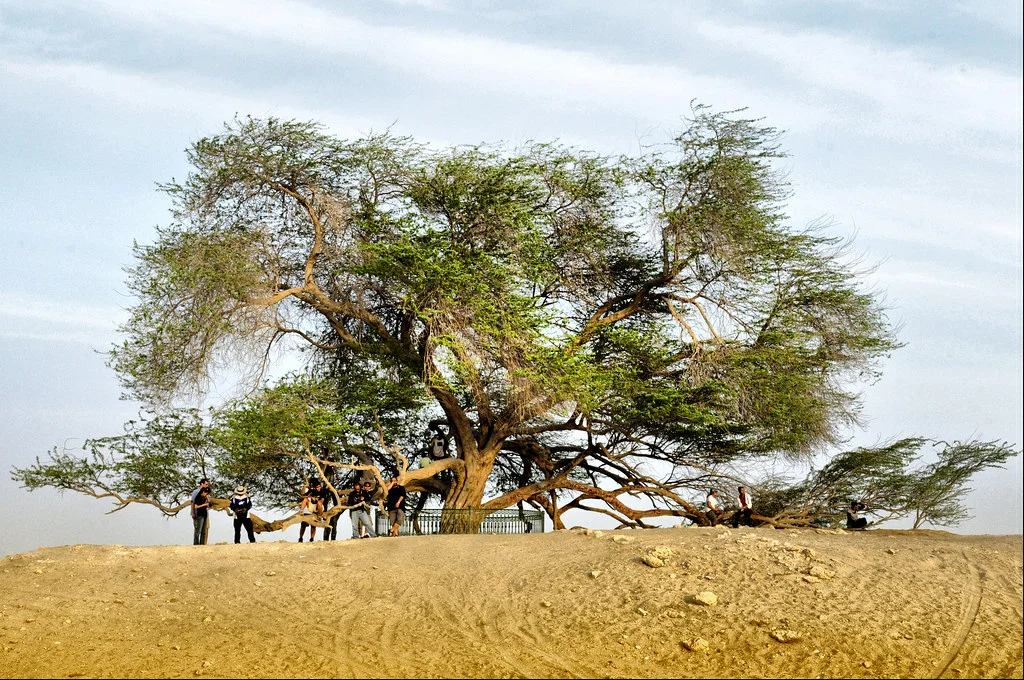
(714, 507)
(240, 506)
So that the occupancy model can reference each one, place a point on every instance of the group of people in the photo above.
(743, 514)
(239, 506)
(317, 499)
(745, 511)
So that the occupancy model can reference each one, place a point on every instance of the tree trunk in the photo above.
(462, 513)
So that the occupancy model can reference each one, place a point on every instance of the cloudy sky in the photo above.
(903, 121)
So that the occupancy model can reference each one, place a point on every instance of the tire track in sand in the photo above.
(973, 600)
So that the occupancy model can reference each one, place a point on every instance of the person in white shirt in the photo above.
(714, 507)
(745, 511)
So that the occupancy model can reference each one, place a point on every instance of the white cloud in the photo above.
(68, 313)
(500, 67)
(902, 93)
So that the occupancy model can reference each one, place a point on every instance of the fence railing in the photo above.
(464, 521)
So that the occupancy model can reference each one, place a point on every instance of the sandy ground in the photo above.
(565, 604)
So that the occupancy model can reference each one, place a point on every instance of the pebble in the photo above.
(697, 645)
(892, 551)
(271, 573)
(622, 539)
(652, 561)
(208, 620)
(641, 611)
(705, 598)
(545, 603)
(785, 636)
(595, 573)
(821, 572)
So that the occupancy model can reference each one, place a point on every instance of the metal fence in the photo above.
(464, 521)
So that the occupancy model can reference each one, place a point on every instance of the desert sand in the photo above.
(674, 602)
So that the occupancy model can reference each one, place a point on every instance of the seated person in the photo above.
(853, 518)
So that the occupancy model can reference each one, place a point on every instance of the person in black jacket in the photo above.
(395, 505)
(240, 506)
(201, 515)
(853, 518)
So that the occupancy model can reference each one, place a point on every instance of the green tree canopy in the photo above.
(588, 329)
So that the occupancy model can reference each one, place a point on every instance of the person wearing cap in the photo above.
(745, 511)
(312, 501)
(395, 505)
(714, 507)
(240, 506)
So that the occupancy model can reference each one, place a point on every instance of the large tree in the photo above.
(589, 329)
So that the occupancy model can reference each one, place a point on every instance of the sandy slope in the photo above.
(879, 604)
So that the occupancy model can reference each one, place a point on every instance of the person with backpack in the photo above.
(239, 506)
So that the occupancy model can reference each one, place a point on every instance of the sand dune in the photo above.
(564, 604)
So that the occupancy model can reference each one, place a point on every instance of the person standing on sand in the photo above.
(204, 483)
(359, 512)
(200, 516)
(240, 506)
(312, 501)
(714, 507)
(395, 505)
(745, 511)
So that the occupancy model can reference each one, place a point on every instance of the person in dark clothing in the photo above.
(328, 501)
(853, 518)
(359, 512)
(395, 505)
(312, 502)
(200, 515)
(204, 483)
(240, 506)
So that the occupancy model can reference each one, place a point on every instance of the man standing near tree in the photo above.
(240, 506)
(395, 505)
(200, 514)
(359, 512)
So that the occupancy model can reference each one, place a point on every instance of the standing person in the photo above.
(359, 512)
(200, 515)
(745, 511)
(204, 483)
(240, 506)
(328, 501)
(395, 505)
(312, 502)
(714, 507)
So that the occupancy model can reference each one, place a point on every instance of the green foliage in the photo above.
(891, 482)
(566, 314)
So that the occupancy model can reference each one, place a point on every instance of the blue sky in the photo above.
(903, 120)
